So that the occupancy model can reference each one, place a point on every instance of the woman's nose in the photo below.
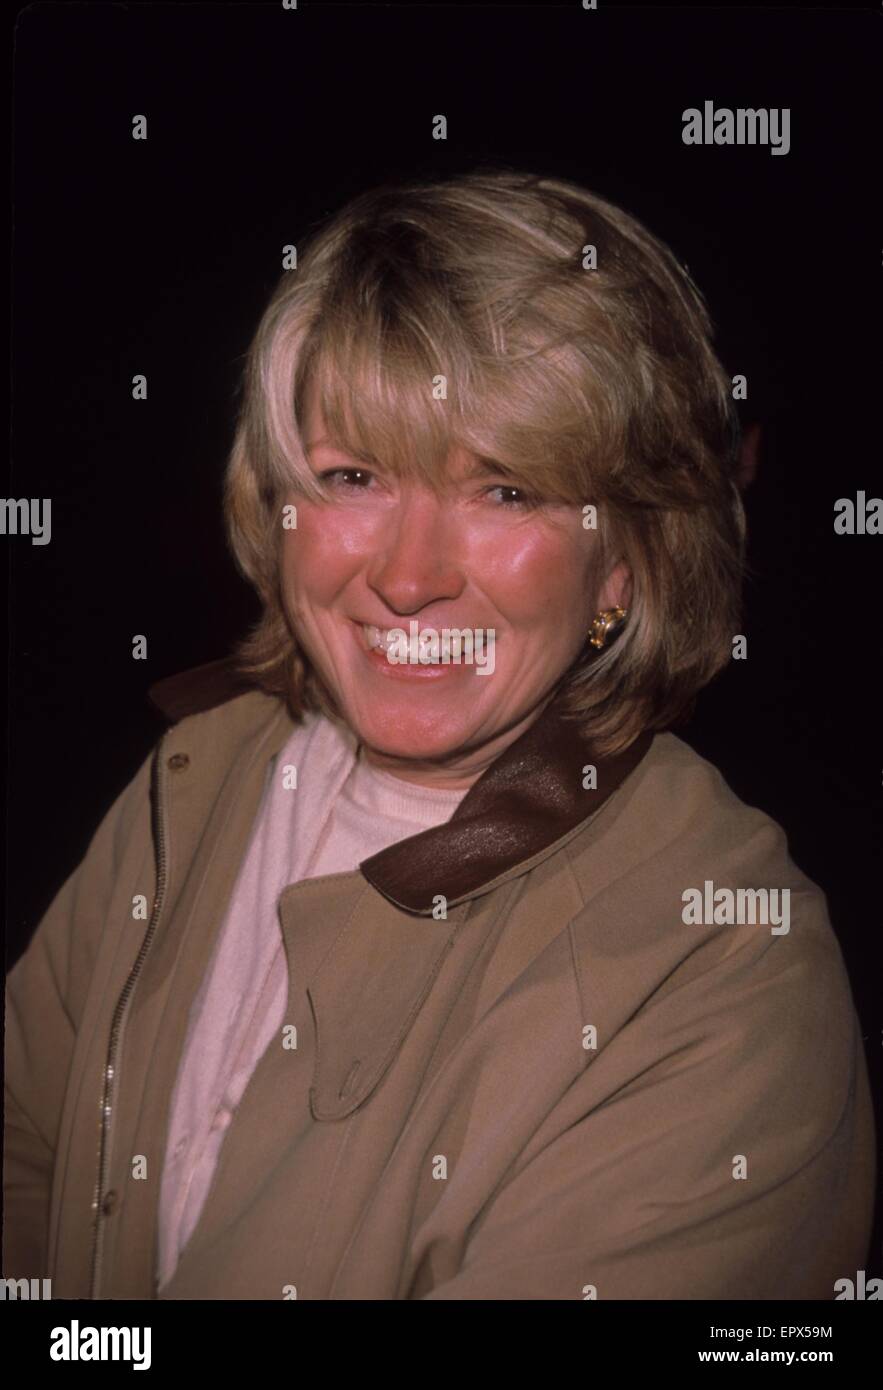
(417, 551)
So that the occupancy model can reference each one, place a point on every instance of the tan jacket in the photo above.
(559, 1090)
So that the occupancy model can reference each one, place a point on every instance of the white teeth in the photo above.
(375, 637)
(379, 639)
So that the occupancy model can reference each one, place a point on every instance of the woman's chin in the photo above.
(412, 734)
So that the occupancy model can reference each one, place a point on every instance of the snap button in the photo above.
(178, 761)
(109, 1203)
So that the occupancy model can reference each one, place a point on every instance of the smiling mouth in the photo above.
(395, 656)
(381, 641)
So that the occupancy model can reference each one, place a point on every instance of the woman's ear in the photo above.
(616, 591)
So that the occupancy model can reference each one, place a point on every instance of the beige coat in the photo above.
(559, 1090)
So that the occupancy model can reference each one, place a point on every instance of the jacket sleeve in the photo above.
(720, 1147)
(46, 993)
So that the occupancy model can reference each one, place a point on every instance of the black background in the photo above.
(158, 257)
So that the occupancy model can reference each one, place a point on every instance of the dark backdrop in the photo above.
(158, 257)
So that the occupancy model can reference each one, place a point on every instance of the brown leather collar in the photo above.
(530, 797)
(196, 689)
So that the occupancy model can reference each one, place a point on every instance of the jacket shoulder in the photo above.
(214, 714)
(677, 814)
(762, 977)
(681, 829)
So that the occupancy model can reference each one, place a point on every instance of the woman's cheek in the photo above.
(534, 565)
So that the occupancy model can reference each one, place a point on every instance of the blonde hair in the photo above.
(583, 384)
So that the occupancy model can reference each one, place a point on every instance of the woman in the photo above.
(425, 965)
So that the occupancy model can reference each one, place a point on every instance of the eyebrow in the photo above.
(485, 467)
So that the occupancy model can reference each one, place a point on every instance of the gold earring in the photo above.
(602, 624)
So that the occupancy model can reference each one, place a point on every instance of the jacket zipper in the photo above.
(108, 1096)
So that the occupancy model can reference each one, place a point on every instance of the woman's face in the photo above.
(384, 553)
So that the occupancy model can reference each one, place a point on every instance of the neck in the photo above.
(456, 771)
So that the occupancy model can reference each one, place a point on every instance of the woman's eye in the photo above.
(347, 473)
(358, 480)
(521, 500)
